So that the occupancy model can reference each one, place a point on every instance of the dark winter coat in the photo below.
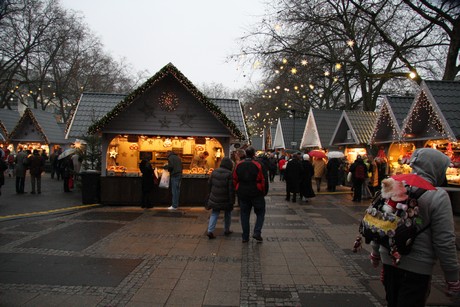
(36, 164)
(147, 176)
(306, 190)
(352, 169)
(332, 171)
(221, 191)
(293, 175)
(174, 165)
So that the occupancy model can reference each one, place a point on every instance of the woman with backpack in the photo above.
(359, 173)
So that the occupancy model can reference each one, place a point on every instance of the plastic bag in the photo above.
(349, 177)
(164, 181)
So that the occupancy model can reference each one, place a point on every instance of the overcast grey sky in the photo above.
(195, 35)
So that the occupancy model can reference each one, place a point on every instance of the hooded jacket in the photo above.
(221, 191)
(435, 209)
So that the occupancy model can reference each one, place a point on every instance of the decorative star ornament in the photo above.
(113, 153)
(164, 122)
(186, 118)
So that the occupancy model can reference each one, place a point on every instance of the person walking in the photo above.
(251, 185)
(53, 159)
(273, 166)
(221, 196)
(57, 164)
(10, 162)
(147, 183)
(409, 283)
(319, 167)
(174, 167)
(293, 177)
(20, 169)
(282, 166)
(358, 172)
(332, 174)
(3, 168)
(306, 189)
(36, 168)
(66, 172)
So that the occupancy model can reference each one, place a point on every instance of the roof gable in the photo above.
(38, 126)
(435, 113)
(8, 120)
(390, 118)
(166, 100)
(354, 128)
(289, 130)
(319, 128)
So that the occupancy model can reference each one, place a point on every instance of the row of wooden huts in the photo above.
(168, 113)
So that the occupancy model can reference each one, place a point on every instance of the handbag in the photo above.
(164, 180)
(71, 182)
(349, 177)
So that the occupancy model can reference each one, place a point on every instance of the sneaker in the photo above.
(172, 208)
(258, 238)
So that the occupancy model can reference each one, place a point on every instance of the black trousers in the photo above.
(404, 288)
(357, 189)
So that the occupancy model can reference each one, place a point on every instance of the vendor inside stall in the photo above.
(198, 155)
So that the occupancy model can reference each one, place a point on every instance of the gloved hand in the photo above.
(375, 260)
(453, 288)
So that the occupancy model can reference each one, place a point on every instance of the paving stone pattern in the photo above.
(127, 256)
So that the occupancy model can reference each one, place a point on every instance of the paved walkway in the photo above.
(126, 256)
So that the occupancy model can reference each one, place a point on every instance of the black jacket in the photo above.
(250, 179)
(221, 191)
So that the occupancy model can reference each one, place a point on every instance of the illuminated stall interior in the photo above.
(452, 150)
(126, 151)
(398, 157)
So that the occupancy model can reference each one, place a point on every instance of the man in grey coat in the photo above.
(408, 283)
(21, 168)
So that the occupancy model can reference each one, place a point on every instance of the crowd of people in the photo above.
(34, 161)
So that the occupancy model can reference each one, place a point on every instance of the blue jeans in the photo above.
(175, 189)
(213, 220)
(246, 206)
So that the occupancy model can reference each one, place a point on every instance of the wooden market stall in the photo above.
(288, 133)
(38, 129)
(8, 120)
(353, 131)
(387, 134)
(433, 120)
(166, 113)
(319, 128)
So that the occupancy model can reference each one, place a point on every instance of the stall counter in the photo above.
(119, 190)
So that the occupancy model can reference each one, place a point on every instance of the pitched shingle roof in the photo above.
(91, 108)
(94, 106)
(168, 71)
(393, 111)
(435, 113)
(8, 120)
(319, 128)
(232, 108)
(287, 132)
(44, 122)
(360, 125)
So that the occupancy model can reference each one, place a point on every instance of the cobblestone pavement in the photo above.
(127, 256)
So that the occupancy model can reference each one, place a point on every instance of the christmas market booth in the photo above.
(166, 113)
(353, 131)
(393, 152)
(319, 129)
(38, 129)
(434, 121)
(8, 120)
